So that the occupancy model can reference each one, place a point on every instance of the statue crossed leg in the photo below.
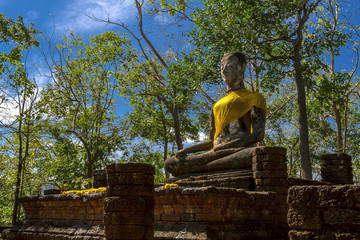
(237, 123)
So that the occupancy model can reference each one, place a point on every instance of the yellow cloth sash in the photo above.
(235, 105)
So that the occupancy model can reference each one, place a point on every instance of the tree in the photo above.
(157, 82)
(80, 105)
(16, 88)
(267, 31)
(335, 86)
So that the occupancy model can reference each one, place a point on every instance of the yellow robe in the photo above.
(235, 105)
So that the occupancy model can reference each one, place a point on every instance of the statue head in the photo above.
(233, 66)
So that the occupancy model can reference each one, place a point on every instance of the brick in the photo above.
(126, 232)
(275, 182)
(259, 182)
(342, 217)
(333, 156)
(124, 204)
(170, 217)
(331, 196)
(208, 217)
(277, 189)
(268, 158)
(305, 218)
(149, 233)
(280, 166)
(187, 217)
(130, 168)
(257, 167)
(132, 218)
(133, 190)
(270, 174)
(168, 209)
(178, 208)
(130, 178)
(269, 150)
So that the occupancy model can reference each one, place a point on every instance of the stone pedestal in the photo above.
(239, 179)
(270, 173)
(270, 170)
(336, 168)
(99, 178)
(129, 205)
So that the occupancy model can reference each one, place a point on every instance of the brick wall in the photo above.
(218, 213)
(324, 212)
(336, 168)
(129, 205)
(61, 216)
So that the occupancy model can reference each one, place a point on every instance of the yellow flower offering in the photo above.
(86, 191)
(167, 186)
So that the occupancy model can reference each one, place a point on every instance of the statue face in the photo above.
(231, 70)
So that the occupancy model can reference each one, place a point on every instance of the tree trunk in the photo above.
(306, 171)
(18, 176)
(167, 175)
(17, 192)
(339, 139)
(178, 138)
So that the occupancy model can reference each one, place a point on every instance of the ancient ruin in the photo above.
(262, 203)
(233, 190)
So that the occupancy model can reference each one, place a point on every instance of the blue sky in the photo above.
(69, 14)
(56, 18)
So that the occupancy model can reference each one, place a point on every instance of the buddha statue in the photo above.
(237, 124)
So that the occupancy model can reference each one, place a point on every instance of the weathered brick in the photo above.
(208, 217)
(130, 178)
(269, 150)
(170, 217)
(124, 204)
(305, 218)
(134, 190)
(270, 174)
(132, 218)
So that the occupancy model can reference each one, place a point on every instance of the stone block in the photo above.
(268, 158)
(342, 218)
(332, 156)
(326, 196)
(270, 174)
(133, 190)
(269, 150)
(275, 182)
(278, 189)
(187, 217)
(208, 217)
(129, 178)
(280, 166)
(170, 217)
(124, 204)
(130, 168)
(129, 218)
(305, 218)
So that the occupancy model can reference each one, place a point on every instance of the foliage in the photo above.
(16, 91)
(145, 153)
(80, 105)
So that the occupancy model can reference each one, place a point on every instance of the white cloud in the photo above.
(75, 16)
(31, 16)
(8, 112)
(162, 19)
(202, 137)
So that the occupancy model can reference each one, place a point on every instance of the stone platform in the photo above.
(61, 216)
(241, 179)
(219, 213)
